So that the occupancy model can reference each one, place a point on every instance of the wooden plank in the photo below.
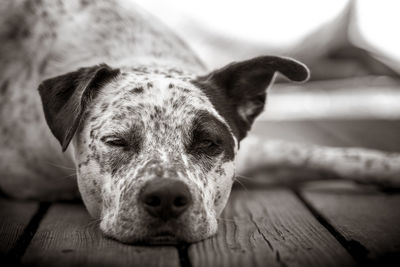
(369, 221)
(67, 236)
(14, 217)
(269, 228)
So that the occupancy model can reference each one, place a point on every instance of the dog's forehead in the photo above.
(162, 93)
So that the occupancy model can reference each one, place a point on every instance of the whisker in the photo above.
(245, 177)
(239, 182)
(92, 223)
(225, 219)
(68, 176)
(60, 166)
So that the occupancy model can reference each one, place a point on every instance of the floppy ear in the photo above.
(243, 85)
(66, 97)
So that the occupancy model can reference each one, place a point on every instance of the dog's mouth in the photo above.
(159, 238)
(164, 238)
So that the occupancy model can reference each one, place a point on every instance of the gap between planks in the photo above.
(366, 219)
(22, 241)
(269, 228)
(354, 248)
(27, 214)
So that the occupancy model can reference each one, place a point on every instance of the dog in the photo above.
(125, 116)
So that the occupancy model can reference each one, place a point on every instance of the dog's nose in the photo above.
(165, 198)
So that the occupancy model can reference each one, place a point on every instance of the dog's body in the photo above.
(50, 38)
(147, 117)
(151, 104)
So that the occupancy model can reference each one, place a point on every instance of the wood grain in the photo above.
(368, 220)
(269, 228)
(14, 217)
(67, 236)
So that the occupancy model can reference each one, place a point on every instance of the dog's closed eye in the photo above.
(114, 141)
(128, 140)
(206, 143)
(208, 146)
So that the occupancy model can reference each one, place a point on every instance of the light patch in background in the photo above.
(376, 103)
(378, 23)
(367, 97)
(224, 31)
(272, 22)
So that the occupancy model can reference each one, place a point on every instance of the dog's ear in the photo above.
(65, 98)
(238, 90)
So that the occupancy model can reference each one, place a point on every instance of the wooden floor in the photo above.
(309, 224)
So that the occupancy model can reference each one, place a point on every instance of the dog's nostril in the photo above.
(153, 201)
(180, 201)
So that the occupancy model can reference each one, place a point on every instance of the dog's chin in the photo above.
(158, 238)
(159, 233)
(164, 238)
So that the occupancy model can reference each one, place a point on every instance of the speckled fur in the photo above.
(161, 110)
(152, 95)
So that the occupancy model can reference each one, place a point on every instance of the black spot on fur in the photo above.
(157, 111)
(137, 90)
(103, 107)
(94, 118)
(217, 197)
(4, 87)
(119, 116)
(182, 99)
(156, 125)
(208, 138)
(85, 3)
(84, 163)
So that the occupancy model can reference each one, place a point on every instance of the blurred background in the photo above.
(351, 47)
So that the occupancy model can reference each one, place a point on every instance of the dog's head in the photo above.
(155, 150)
